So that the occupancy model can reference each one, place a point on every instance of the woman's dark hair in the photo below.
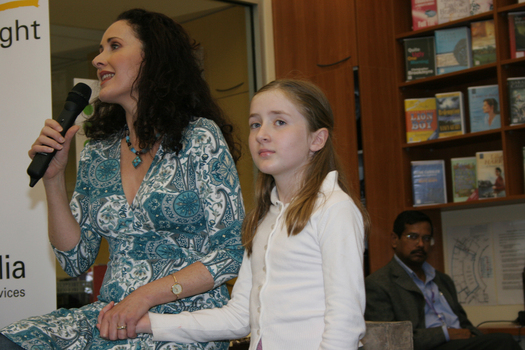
(493, 103)
(410, 217)
(170, 87)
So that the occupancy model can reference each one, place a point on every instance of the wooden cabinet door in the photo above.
(222, 36)
(312, 35)
(338, 86)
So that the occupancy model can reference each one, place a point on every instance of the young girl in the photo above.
(301, 281)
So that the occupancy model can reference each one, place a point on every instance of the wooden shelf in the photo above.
(453, 24)
(482, 203)
(512, 8)
(456, 141)
(437, 81)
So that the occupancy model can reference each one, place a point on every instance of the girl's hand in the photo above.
(144, 325)
(102, 313)
(49, 140)
(120, 321)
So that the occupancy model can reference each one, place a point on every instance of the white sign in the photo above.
(27, 264)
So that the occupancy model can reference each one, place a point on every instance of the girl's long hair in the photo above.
(313, 105)
(170, 85)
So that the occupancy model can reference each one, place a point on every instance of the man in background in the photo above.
(410, 289)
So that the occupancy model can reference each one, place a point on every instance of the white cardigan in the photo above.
(295, 292)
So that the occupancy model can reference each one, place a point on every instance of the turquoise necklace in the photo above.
(137, 161)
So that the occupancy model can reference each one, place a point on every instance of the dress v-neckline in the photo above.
(144, 179)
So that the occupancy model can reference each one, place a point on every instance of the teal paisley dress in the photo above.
(187, 209)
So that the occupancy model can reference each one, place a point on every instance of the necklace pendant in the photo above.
(136, 162)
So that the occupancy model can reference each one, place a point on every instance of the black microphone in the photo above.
(77, 100)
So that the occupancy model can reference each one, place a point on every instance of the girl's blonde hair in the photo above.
(314, 106)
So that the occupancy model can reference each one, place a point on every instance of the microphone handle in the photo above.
(41, 160)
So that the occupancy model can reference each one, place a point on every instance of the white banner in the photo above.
(27, 264)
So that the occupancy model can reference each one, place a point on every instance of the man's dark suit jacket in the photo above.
(392, 295)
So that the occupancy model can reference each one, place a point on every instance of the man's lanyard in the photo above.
(431, 305)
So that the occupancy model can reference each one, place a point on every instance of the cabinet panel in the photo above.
(222, 36)
(309, 33)
(237, 108)
(338, 86)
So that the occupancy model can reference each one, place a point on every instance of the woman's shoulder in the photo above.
(100, 146)
(202, 123)
(202, 132)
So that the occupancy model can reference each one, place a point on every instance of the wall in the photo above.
(514, 212)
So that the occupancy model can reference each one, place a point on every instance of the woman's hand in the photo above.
(121, 321)
(50, 140)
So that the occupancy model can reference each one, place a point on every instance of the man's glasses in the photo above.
(415, 238)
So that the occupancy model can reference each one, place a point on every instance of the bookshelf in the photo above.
(371, 33)
(510, 139)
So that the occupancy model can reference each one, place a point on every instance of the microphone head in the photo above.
(80, 94)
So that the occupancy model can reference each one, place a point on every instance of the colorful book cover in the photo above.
(453, 50)
(451, 10)
(483, 42)
(464, 180)
(517, 34)
(480, 6)
(424, 14)
(516, 89)
(421, 120)
(428, 182)
(483, 104)
(420, 59)
(450, 114)
(491, 174)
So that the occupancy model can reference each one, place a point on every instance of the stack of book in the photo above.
(478, 177)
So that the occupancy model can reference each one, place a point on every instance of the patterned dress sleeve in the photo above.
(219, 187)
(79, 259)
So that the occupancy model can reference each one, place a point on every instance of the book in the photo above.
(517, 34)
(424, 14)
(483, 42)
(453, 50)
(464, 180)
(484, 108)
(516, 90)
(480, 6)
(451, 10)
(421, 120)
(491, 174)
(420, 59)
(428, 182)
(450, 114)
